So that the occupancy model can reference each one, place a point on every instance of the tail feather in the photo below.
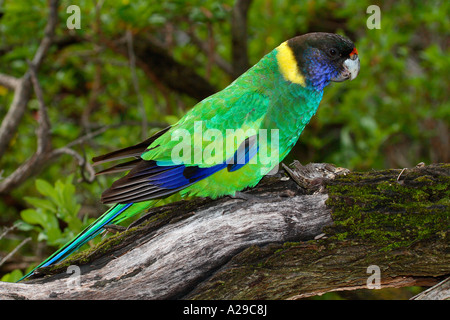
(114, 215)
(119, 168)
(133, 151)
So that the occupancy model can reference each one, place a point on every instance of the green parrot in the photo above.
(222, 145)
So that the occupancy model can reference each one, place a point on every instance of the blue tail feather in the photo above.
(86, 235)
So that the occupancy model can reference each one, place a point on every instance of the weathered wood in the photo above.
(441, 291)
(292, 242)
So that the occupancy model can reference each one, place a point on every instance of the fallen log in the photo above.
(307, 230)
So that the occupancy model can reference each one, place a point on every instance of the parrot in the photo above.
(276, 98)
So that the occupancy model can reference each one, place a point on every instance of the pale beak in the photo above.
(351, 69)
(352, 66)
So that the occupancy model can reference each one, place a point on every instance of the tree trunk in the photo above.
(308, 230)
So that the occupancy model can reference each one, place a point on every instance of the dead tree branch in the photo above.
(8, 81)
(43, 132)
(36, 162)
(293, 242)
(22, 87)
(441, 291)
(83, 163)
(44, 153)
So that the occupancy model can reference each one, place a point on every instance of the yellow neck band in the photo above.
(288, 65)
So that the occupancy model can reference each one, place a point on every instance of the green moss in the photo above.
(376, 207)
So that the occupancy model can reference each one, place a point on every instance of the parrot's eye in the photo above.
(333, 52)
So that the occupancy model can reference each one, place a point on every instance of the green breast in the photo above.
(290, 106)
(261, 93)
(260, 99)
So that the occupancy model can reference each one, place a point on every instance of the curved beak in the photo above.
(351, 69)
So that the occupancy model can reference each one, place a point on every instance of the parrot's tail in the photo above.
(114, 215)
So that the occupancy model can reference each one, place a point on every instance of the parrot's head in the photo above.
(315, 59)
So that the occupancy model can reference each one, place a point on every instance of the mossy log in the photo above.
(309, 230)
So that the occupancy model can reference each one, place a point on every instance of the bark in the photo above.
(441, 291)
(310, 230)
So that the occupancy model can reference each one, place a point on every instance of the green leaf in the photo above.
(59, 194)
(31, 216)
(23, 226)
(13, 276)
(54, 236)
(44, 187)
(41, 203)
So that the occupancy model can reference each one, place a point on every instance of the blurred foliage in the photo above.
(54, 217)
(395, 114)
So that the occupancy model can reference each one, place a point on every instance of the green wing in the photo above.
(222, 114)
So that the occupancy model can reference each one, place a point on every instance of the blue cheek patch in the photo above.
(319, 69)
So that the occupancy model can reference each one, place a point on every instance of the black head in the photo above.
(324, 57)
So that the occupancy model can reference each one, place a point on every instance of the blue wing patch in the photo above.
(151, 180)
